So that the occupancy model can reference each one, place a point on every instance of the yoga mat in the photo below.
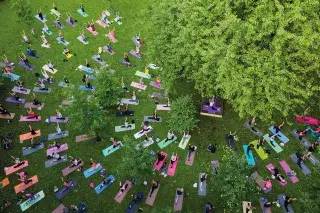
(18, 90)
(65, 43)
(95, 33)
(100, 62)
(158, 95)
(43, 20)
(303, 141)
(55, 119)
(203, 190)
(84, 137)
(184, 142)
(68, 170)
(11, 169)
(63, 148)
(72, 25)
(262, 154)
(150, 199)
(123, 128)
(208, 111)
(137, 55)
(308, 120)
(99, 189)
(48, 32)
(110, 149)
(178, 206)
(264, 209)
(54, 136)
(61, 193)
(260, 182)
(28, 203)
(270, 167)
(66, 102)
(250, 158)
(31, 105)
(123, 114)
(22, 187)
(163, 107)
(105, 49)
(48, 163)
(11, 76)
(280, 135)
(190, 161)
(138, 85)
(29, 135)
(143, 75)
(287, 170)
(129, 101)
(172, 170)
(82, 41)
(84, 14)
(162, 144)
(37, 89)
(139, 135)
(5, 182)
(55, 12)
(85, 88)
(312, 158)
(47, 69)
(22, 64)
(104, 25)
(7, 116)
(86, 69)
(13, 100)
(87, 173)
(275, 146)
(257, 133)
(154, 84)
(147, 143)
(118, 198)
(25, 119)
(281, 199)
(59, 209)
(305, 170)
(151, 120)
(158, 167)
(244, 207)
(28, 151)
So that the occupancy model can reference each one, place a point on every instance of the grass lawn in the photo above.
(135, 16)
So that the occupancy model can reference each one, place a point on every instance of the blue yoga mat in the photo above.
(99, 189)
(280, 135)
(85, 88)
(250, 158)
(84, 14)
(12, 76)
(110, 149)
(87, 173)
(61, 193)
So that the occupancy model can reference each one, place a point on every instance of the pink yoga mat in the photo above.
(54, 119)
(270, 166)
(65, 102)
(112, 39)
(192, 155)
(11, 169)
(307, 120)
(163, 107)
(63, 148)
(138, 85)
(59, 209)
(31, 105)
(120, 198)
(68, 170)
(104, 25)
(150, 200)
(132, 52)
(178, 206)
(287, 169)
(25, 119)
(80, 138)
(158, 167)
(172, 170)
(93, 32)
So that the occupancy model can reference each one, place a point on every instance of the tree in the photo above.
(107, 92)
(232, 182)
(24, 10)
(136, 163)
(262, 57)
(182, 115)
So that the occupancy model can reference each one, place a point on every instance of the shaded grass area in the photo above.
(211, 130)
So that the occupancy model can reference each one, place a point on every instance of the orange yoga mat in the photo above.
(21, 187)
(5, 182)
(29, 135)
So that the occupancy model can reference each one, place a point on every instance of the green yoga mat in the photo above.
(260, 151)
(162, 144)
(276, 147)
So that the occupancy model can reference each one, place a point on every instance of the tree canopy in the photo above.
(23, 10)
(260, 56)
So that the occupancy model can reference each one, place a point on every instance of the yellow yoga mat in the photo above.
(260, 151)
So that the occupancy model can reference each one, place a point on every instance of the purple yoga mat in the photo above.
(22, 64)
(208, 109)
(59, 209)
(63, 148)
(17, 90)
(31, 105)
(13, 100)
(54, 119)
(68, 170)
(25, 119)
(132, 52)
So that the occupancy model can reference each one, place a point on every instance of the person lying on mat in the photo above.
(173, 159)
(40, 14)
(302, 134)
(15, 96)
(4, 111)
(35, 101)
(91, 26)
(123, 187)
(82, 8)
(260, 143)
(105, 181)
(191, 149)
(84, 78)
(31, 130)
(145, 128)
(155, 185)
(269, 204)
(126, 59)
(160, 157)
(252, 124)
(134, 96)
(75, 162)
(22, 175)
(179, 192)
(288, 200)
(46, 76)
(25, 60)
(25, 38)
(155, 116)
(25, 179)
(115, 143)
(60, 35)
(203, 178)
(118, 17)
(54, 6)
(30, 196)
(300, 159)
(59, 115)
(31, 52)
(249, 207)
(31, 114)
(278, 176)
(277, 128)
(56, 157)
(20, 85)
(94, 165)
(70, 19)
(98, 57)
(66, 185)
(158, 81)
(212, 103)
(56, 145)
(249, 148)
(58, 129)
(170, 136)
(209, 207)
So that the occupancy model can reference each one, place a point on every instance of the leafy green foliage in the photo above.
(135, 163)
(232, 182)
(23, 10)
(248, 52)
(182, 115)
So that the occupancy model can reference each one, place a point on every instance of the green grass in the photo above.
(211, 130)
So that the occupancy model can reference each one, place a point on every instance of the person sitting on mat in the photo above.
(50, 65)
(66, 185)
(126, 60)
(88, 84)
(267, 184)
(84, 78)
(155, 116)
(56, 157)
(105, 181)
(25, 179)
(31, 52)
(287, 201)
(155, 185)
(311, 149)
(84, 37)
(186, 134)
(54, 6)
(91, 26)
(249, 148)
(15, 96)
(31, 130)
(123, 187)
(75, 162)
(104, 18)
(59, 115)
(66, 51)
(278, 128)
(179, 192)
(3, 111)
(173, 159)
(35, 100)
(191, 149)
(7, 70)
(203, 178)
(55, 145)
(109, 48)
(249, 207)
(82, 8)
(123, 86)
(25, 38)
(160, 157)
(170, 136)
(45, 27)
(94, 165)
(58, 22)
(252, 124)
(44, 40)
(40, 14)
(134, 96)
(278, 176)
(98, 57)
(118, 17)
(20, 85)
(115, 143)
(58, 129)
(16, 160)
(31, 114)
(42, 86)
(163, 169)
(302, 134)
(126, 124)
